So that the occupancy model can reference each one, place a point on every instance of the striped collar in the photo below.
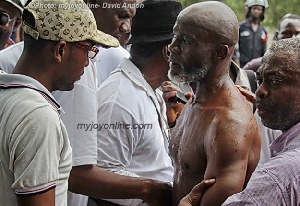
(22, 81)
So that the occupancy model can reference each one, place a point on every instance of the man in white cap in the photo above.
(35, 151)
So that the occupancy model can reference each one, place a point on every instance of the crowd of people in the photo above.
(120, 69)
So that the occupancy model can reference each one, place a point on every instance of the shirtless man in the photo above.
(216, 135)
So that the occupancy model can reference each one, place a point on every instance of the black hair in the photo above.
(141, 52)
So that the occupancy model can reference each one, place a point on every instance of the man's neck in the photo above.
(152, 73)
(32, 70)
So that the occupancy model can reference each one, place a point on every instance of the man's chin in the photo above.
(176, 78)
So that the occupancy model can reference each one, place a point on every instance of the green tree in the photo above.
(277, 9)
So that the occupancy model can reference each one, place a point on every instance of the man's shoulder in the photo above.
(25, 100)
(284, 168)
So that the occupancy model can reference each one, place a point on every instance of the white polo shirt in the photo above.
(130, 140)
(35, 152)
(80, 108)
(108, 60)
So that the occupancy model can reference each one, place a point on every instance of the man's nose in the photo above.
(173, 48)
(262, 92)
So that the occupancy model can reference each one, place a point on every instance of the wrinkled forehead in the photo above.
(279, 61)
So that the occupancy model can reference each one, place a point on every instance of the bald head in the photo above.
(215, 18)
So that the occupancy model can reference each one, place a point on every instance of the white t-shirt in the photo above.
(34, 148)
(80, 108)
(130, 140)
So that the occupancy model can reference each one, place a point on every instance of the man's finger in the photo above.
(195, 196)
(200, 188)
(247, 94)
(166, 83)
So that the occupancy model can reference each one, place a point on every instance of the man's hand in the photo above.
(160, 193)
(194, 197)
(248, 94)
(173, 108)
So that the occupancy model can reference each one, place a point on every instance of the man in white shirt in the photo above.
(132, 136)
(35, 150)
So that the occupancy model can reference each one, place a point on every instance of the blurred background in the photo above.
(277, 9)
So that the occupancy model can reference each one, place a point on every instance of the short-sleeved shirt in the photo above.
(35, 153)
(80, 109)
(131, 140)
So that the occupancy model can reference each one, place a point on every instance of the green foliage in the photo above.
(277, 9)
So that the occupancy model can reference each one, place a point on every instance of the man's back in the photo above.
(222, 142)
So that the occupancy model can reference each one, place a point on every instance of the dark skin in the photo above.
(48, 66)
(194, 197)
(216, 135)
(6, 30)
(278, 78)
(174, 108)
(256, 12)
(154, 193)
(288, 28)
(114, 21)
(58, 64)
(90, 180)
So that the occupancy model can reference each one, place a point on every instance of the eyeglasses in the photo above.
(4, 18)
(92, 50)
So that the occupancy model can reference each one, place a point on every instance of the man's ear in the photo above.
(222, 52)
(17, 23)
(166, 53)
(59, 50)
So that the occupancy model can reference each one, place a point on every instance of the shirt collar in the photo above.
(136, 76)
(23, 81)
(241, 76)
(288, 140)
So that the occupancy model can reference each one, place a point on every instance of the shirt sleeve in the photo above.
(35, 150)
(117, 141)
(262, 189)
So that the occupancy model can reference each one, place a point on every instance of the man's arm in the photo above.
(99, 183)
(116, 149)
(228, 157)
(195, 196)
(45, 199)
(37, 150)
